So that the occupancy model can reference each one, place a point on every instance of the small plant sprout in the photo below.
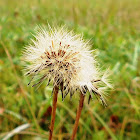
(65, 60)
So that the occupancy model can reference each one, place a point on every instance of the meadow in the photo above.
(113, 28)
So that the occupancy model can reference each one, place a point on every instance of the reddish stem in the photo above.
(55, 93)
(78, 116)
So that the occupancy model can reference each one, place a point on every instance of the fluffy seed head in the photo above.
(64, 59)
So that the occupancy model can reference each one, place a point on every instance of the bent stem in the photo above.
(78, 116)
(55, 93)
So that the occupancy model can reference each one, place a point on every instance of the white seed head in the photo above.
(65, 59)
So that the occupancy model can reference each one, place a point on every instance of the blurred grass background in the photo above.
(114, 30)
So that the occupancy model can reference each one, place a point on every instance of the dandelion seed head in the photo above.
(65, 59)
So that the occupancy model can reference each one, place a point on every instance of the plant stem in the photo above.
(78, 116)
(55, 93)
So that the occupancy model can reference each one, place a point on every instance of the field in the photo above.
(114, 30)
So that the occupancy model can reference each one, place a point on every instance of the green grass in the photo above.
(114, 29)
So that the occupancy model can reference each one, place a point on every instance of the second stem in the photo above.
(81, 102)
